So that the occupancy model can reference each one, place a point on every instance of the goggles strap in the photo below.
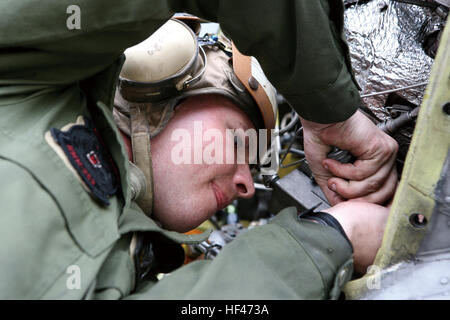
(242, 66)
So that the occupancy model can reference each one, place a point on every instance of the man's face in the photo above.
(190, 192)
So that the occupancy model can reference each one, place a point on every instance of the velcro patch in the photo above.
(89, 156)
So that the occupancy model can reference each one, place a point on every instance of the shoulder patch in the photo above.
(88, 156)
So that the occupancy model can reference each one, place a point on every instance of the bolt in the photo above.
(444, 280)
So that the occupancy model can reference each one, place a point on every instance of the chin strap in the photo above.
(140, 142)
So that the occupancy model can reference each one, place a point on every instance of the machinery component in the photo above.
(210, 251)
(413, 260)
(292, 150)
(386, 54)
(430, 4)
(431, 280)
(295, 189)
(444, 2)
(228, 226)
(396, 109)
(294, 118)
(394, 90)
(421, 3)
(391, 126)
(216, 241)
(430, 266)
(430, 34)
(257, 207)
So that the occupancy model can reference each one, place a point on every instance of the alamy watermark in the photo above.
(373, 280)
(234, 146)
(73, 281)
(379, 278)
(73, 21)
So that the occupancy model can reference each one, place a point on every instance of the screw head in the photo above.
(253, 83)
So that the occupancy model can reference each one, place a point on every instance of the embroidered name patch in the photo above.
(89, 156)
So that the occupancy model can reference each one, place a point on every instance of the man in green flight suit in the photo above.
(67, 216)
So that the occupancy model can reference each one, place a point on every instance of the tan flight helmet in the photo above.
(171, 65)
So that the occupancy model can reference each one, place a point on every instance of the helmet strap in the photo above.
(140, 142)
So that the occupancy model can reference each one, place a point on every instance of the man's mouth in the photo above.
(221, 199)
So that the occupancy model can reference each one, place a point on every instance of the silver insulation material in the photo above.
(385, 50)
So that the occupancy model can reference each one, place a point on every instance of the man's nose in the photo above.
(243, 182)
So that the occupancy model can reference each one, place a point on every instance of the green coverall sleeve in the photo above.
(284, 259)
(298, 43)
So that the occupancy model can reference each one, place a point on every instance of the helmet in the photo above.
(173, 64)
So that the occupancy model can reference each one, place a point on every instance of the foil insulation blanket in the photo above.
(385, 50)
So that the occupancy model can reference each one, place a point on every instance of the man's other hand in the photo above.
(364, 224)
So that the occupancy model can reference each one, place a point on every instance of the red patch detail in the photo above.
(77, 160)
(93, 159)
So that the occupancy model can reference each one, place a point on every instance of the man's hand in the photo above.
(372, 177)
(364, 225)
